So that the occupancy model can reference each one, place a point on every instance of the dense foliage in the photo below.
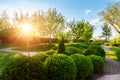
(98, 63)
(111, 15)
(60, 67)
(96, 50)
(80, 30)
(26, 68)
(84, 66)
(118, 54)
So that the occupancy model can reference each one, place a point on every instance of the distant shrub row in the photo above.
(53, 67)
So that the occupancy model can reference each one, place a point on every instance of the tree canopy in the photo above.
(81, 30)
(111, 15)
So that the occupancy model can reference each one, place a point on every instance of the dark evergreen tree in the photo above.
(61, 46)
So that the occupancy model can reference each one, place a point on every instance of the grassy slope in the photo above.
(112, 53)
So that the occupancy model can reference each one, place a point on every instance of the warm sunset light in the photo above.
(26, 28)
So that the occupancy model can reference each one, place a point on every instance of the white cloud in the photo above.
(95, 21)
(87, 12)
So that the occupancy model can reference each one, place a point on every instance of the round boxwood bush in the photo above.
(84, 66)
(72, 50)
(98, 63)
(96, 50)
(25, 68)
(60, 67)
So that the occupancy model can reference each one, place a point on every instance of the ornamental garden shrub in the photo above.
(96, 50)
(72, 50)
(61, 46)
(26, 68)
(60, 67)
(84, 66)
(118, 54)
(98, 63)
(79, 45)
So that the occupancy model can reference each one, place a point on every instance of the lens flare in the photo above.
(26, 28)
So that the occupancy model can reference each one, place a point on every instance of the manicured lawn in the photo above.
(112, 53)
(6, 57)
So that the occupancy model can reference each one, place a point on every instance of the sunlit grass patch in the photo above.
(111, 54)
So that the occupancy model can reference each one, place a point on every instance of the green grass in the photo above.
(6, 57)
(112, 53)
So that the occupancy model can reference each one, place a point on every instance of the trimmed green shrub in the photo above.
(118, 54)
(61, 46)
(84, 66)
(60, 67)
(26, 68)
(51, 52)
(98, 63)
(96, 50)
(72, 50)
(79, 45)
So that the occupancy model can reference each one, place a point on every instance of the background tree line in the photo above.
(48, 24)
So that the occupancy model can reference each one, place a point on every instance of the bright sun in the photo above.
(26, 28)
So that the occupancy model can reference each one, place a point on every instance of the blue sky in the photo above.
(78, 9)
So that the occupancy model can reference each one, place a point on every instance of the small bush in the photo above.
(84, 66)
(26, 68)
(51, 52)
(118, 54)
(96, 50)
(72, 50)
(60, 67)
(98, 63)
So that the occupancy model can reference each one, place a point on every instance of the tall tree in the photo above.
(4, 20)
(81, 30)
(20, 18)
(54, 22)
(49, 23)
(4, 23)
(106, 31)
(111, 15)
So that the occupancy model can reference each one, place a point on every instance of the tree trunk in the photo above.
(115, 28)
